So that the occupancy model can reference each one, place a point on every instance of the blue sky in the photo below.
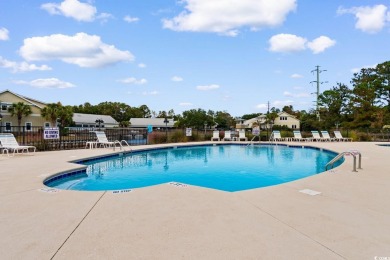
(222, 55)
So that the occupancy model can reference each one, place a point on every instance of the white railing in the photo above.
(341, 155)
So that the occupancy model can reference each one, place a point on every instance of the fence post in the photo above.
(24, 134)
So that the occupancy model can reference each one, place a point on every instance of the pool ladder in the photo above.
(120, 144)
(341, 155)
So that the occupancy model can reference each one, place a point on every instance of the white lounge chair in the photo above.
(228, 136)
(275, 136)
(339, 137)
(9, 143)
(103, 141)
(298, 136)
(215, 136)
(316, 136)
(241, 135)
(326, 136)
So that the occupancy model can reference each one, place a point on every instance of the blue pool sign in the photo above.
(51, 133)
(256, 130)
(150, 128)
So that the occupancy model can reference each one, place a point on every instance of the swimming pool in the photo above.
(222, 167)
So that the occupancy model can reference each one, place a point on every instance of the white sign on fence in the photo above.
(188, 131)
(256, 130)
(51, 133)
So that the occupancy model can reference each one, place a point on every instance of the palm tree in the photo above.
(51, 113)
(55, 111)
(65, 115)
(21, 110)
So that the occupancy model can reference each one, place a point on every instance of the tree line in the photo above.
(363, 104)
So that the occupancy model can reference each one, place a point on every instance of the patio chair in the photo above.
(9, 144)
(215, 136)
(275, 136)
(228, 136)
(326, 136)
(298, 136)
(103, 141)
(316, 136)
(241, 135)
(339, 137)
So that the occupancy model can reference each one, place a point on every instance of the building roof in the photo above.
(91, 118)
(155, 122)
(30, 101)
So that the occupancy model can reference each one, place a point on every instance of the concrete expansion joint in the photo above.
(291, 227)
(74, 230)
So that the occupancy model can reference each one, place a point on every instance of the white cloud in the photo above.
(46, 83)
(320, 44)
(208, 87)
(293, 43)
(287, 43)
(177, 78)
(21, 66)
(369, 19)
(185, 104)
(73, 9)
(133, 81)
(357, 70)
(296, 76)
(4, 34)
(82, 49)
(261, 106)
(130, 19)
(104, 17)
(226, 17)
(298, 95)
(141, 65)
(151, 93)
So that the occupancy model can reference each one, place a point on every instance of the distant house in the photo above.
(91, 121)
(283, 119)
(7, 98)
(154, 122)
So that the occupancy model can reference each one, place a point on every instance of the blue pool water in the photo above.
(222, 167)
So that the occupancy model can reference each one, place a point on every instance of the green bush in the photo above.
(178, 137)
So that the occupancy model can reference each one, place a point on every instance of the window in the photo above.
(28, 126)
(8, 126)
(294, 126)
(283, 118)
(47, 124)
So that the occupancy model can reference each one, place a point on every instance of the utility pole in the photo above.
(318, 82)
(268, 108)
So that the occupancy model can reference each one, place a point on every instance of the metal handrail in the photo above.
(120, 144)
(341, 155)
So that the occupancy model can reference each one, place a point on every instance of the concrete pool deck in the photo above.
(350, 219)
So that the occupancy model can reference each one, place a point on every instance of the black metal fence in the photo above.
(76, 138)
(72, 138)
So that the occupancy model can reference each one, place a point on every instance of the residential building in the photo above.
(92, 121)
(283, 119)
(154, 122)
(7, 98)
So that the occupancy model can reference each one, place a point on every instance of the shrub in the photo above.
(178, 137)
(157, 138)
